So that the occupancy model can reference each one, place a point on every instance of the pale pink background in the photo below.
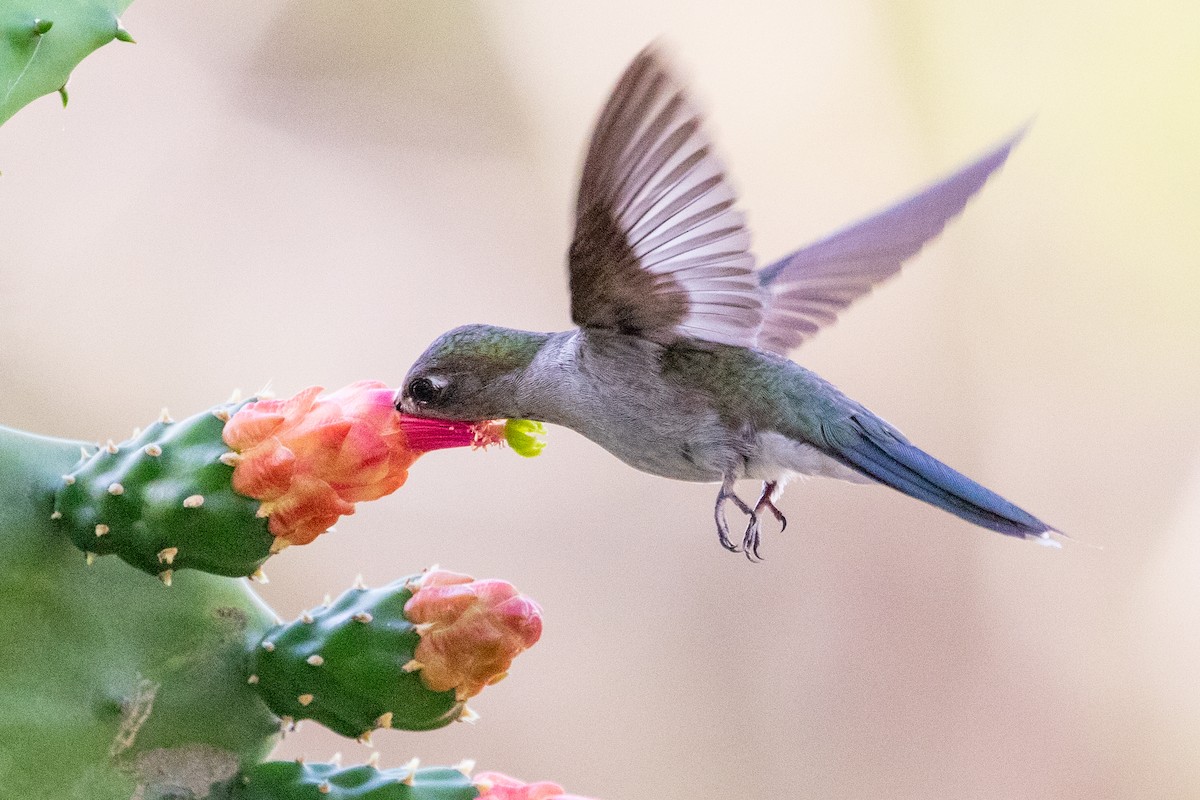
(307, 192)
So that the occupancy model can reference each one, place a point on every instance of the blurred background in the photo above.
(308, 191)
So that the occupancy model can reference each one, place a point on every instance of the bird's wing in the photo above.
(659, 249)
(806, 290)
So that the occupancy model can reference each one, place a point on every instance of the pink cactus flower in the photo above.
(497, 786)
(470, 630)
(310, 458)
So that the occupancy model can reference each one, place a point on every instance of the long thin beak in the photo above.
(403, 404)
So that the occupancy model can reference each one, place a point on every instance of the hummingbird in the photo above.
(679, 366)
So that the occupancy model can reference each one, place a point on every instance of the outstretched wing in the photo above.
(660, 251)
(807, 289)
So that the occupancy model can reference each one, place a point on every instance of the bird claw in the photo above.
(765, 502)
(751, 538)
(727, 493)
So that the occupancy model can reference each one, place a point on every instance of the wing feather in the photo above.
(808, 288)
(660, 250)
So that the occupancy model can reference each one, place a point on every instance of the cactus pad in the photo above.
(110, 683)
(347, 666)
(41, 41)
(163, 501)
(290, 780)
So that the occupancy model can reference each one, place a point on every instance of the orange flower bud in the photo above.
(470, 630)
(310, 458)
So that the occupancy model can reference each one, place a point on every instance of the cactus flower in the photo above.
(497, 786)
(310, 458)
(470, 630)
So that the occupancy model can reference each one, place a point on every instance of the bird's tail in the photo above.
(871, 446)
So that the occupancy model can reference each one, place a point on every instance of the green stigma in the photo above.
(524, 436)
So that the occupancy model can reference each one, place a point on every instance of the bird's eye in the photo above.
(424, 391)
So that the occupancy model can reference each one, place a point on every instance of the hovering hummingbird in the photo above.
(678, 366)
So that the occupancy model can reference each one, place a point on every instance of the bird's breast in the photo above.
(614, 394)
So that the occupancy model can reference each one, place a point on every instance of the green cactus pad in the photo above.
(290, 780)
(114, 688)
(343, 665)
(41, 41)
(163, 502)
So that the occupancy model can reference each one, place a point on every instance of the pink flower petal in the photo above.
(470, 630)
(498, 786)
(311, 457)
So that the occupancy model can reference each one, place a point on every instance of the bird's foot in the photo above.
(750, 540)
(725, 494)
(766, 502)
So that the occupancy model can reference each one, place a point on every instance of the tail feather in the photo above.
(876, 449)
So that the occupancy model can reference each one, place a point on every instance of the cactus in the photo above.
(117, 686)
(164, 501)
(132, 688)
(294, 666)
(407, 655)
(226, 488)
(41, 41)
(287, 780)
(108, 675)
(292, 780)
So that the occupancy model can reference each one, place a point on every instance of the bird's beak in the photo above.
(403, 404)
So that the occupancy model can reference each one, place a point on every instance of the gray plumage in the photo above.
(677, 366)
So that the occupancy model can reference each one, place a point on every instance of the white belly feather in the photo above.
(777, 455)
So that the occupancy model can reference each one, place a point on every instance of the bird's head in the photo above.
(470, 373)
